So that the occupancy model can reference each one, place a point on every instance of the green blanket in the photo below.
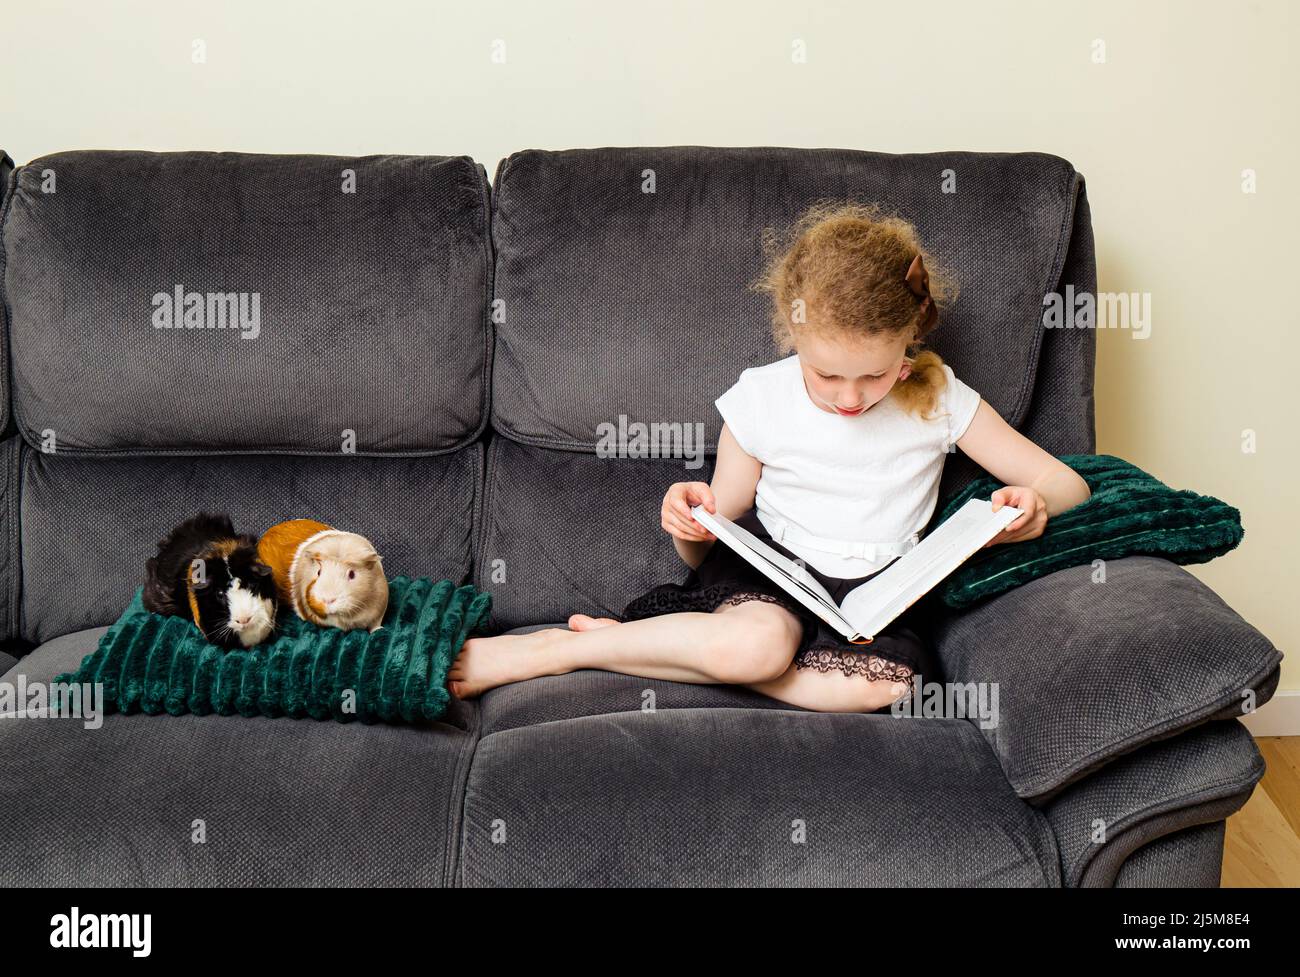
(154, 664)
(1130, 512)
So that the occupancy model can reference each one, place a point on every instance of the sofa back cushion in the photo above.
(206, 302)
(622, 298)
(339, 374)
(89, 524)
(622, 274)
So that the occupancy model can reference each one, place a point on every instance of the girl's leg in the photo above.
(830, 691)
(736, 644)
(807, 687)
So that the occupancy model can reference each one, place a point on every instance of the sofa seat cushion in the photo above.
(593, 692)
(590, 692)
(281, 803)
(747, 797)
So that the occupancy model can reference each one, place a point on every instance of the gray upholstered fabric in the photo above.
(1088, 671)
(1187, 859)
(1061, 416)
(59, 655)
(89, 524)
(1162, 787)
(618, 301)
(593, 692)
(10, 547)
(10, 576)
(283, 802)
(7, 661)
(6, 415)
(1107, 862)
(555, 522)
(1237, 708)
(748, 797)
(372, 304)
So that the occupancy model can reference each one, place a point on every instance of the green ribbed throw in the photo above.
(1130, 512)
(155, 664)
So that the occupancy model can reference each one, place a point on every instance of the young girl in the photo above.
(831, 455)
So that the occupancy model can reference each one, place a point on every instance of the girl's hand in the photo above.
(676, 516)
(1030, 524)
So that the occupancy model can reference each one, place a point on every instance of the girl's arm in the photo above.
(1034, 481)
(731, 493)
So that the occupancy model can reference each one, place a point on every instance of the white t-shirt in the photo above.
(873, 477)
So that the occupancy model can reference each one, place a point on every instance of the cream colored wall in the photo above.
(1189, 95)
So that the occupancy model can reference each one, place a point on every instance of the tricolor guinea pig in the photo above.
(207, 572)
(331, 578)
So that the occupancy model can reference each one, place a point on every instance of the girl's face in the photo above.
(849, 377)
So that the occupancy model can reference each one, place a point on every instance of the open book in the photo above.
(866, 610)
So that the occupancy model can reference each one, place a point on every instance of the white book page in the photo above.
(777, 567)
(913, 575)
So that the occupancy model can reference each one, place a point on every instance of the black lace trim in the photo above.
(740, 596)
(675, 600)
(861, 663)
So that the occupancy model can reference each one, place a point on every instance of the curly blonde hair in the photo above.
(839, 270)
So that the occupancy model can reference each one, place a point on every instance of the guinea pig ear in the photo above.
(260, 568)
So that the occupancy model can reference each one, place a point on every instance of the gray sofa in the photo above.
(430, 364)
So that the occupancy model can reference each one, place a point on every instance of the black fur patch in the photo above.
(200, 557)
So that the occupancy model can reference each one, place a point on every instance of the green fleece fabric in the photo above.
(1130, 512)
(155, 664)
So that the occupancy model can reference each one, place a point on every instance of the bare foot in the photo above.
(485, 663)
(585, 622)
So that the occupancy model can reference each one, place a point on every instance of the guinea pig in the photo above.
(207, 572)
(331, 578)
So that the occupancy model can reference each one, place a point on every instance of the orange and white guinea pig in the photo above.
(331, 578)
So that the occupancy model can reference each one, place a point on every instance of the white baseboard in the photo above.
(1279, 716)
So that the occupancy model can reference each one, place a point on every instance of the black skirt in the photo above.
(723, 576)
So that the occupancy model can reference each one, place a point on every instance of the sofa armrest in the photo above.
(1088, 667)
(1200, 776)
